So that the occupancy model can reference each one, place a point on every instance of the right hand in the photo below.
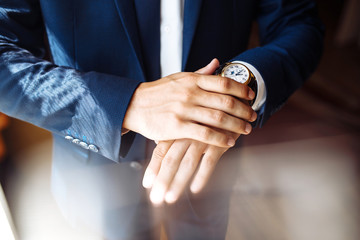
(191, 105)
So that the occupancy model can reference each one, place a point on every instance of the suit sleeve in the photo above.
(291, 39)
(87, 105)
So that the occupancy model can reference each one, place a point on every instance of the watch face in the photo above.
(238, 72)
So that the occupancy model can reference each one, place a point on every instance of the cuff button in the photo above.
(84, 145)
(69, 138)
(93, 148)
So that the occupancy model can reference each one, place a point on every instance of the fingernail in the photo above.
(253, 116)
(251, 94)
(195, 188)
(248, 128)
(156, 197)
(231, 142)
(170, 197)
(148, 180)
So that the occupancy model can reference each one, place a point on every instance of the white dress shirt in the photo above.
(171, 37)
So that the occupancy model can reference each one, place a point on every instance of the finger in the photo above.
(206, 134)
(169, 166)
(206, 168)
(210, 68)
(154, 165)
(225, 86)
(186, 170)
(225, 103)
(218, 119)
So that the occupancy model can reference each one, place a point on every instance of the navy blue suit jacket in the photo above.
(97, 58)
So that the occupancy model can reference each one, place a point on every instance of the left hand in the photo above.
(173, 163)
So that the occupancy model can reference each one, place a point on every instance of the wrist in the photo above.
(130, 122)
(239, 72)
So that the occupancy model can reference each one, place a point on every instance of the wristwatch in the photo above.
(240, 73)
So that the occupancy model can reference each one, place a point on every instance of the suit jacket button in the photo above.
(76, 141)
(69, 138)
(93, 148)
(84, 145)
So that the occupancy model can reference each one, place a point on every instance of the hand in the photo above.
(173, 164)
(191, 105)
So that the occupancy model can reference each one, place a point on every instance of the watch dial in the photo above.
(237, 72)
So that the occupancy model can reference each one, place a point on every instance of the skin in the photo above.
(198, 120)
(174, 163)
(195, 106)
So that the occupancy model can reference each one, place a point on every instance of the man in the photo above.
(103, 88)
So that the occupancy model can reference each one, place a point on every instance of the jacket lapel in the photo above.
(127, 15)
(191, 15)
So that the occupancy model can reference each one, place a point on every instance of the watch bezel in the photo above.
(229, 64)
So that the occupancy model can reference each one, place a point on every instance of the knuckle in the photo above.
(170, 78)
(229, 102)
(174, 118)
(187, 95)
(224, 83)
(179, 107)
(205, 133)
(219, 116)
(178, 76)
(190, 164)
(177, 121)
(191, 76)
(181, 74)
(210, 161)
(159, 153)
(169, 161)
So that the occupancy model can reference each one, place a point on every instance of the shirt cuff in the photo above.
(261, 88)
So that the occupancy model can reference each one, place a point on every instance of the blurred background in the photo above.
(299, 175)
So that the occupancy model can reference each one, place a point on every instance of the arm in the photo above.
(291, 37)
(94, 107)
(59, 99)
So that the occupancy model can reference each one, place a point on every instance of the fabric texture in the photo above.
(98, 61)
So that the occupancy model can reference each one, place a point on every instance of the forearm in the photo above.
(291, 47)
(88, 106)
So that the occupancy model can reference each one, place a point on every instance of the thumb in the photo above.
(210, 68)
